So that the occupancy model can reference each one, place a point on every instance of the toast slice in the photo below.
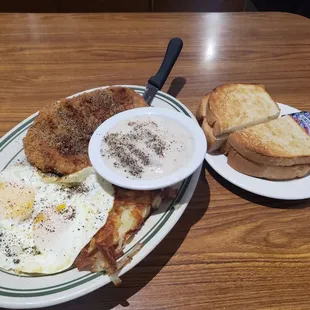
(280, 142)
(213, 142)
(233, 107)
(201, 112)
(246, 166)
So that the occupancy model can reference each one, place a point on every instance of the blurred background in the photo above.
(301, 7)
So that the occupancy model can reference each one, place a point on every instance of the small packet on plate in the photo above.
(303, 120)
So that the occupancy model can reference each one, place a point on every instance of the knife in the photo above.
(156, 82)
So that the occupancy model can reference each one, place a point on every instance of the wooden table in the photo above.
(231, 249)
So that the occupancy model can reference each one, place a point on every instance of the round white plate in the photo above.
(33, 292)
(191, 127)
(287, 190)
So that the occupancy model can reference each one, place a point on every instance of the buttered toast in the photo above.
(280, 142)
(276, 150)
(232, 107)
(243, 165)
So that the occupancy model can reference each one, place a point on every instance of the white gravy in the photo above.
(147, 147)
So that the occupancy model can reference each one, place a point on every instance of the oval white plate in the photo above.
(287, 190)
(190, 125)
(33, 292)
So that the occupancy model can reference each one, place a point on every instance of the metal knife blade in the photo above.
(149, 93)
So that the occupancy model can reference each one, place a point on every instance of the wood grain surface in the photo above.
(231, 249)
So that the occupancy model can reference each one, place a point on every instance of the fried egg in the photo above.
(46, 222)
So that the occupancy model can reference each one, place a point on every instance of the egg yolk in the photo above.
(16, 201)
(40, 218)
(61, 207)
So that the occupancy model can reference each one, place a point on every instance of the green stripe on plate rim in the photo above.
(145, 239)
(86, 278)
(161, 96)
(159, 222)
(15, 133)
(71, 284)
(165, 98)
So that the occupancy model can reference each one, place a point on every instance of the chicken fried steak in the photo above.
(58, 140)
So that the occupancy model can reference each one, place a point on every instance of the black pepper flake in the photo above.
(8, 252)
(35, 251)
(69, 213)
(70, 191)
(123, 147)
(16, 261)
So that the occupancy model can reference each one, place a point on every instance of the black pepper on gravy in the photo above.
(147, 147)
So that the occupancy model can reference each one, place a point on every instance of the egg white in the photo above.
(45, 234)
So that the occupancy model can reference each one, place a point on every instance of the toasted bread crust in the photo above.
(225, 147)
(236, 106)
(202, 115)
(211, 117)
(213, 143)
(243, 165)
(201, 112)
(280, 142)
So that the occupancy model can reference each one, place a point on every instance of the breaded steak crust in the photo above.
(58, 140)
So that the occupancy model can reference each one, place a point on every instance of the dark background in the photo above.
(301, 7)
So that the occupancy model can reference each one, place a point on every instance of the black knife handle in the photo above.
(172, 53)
